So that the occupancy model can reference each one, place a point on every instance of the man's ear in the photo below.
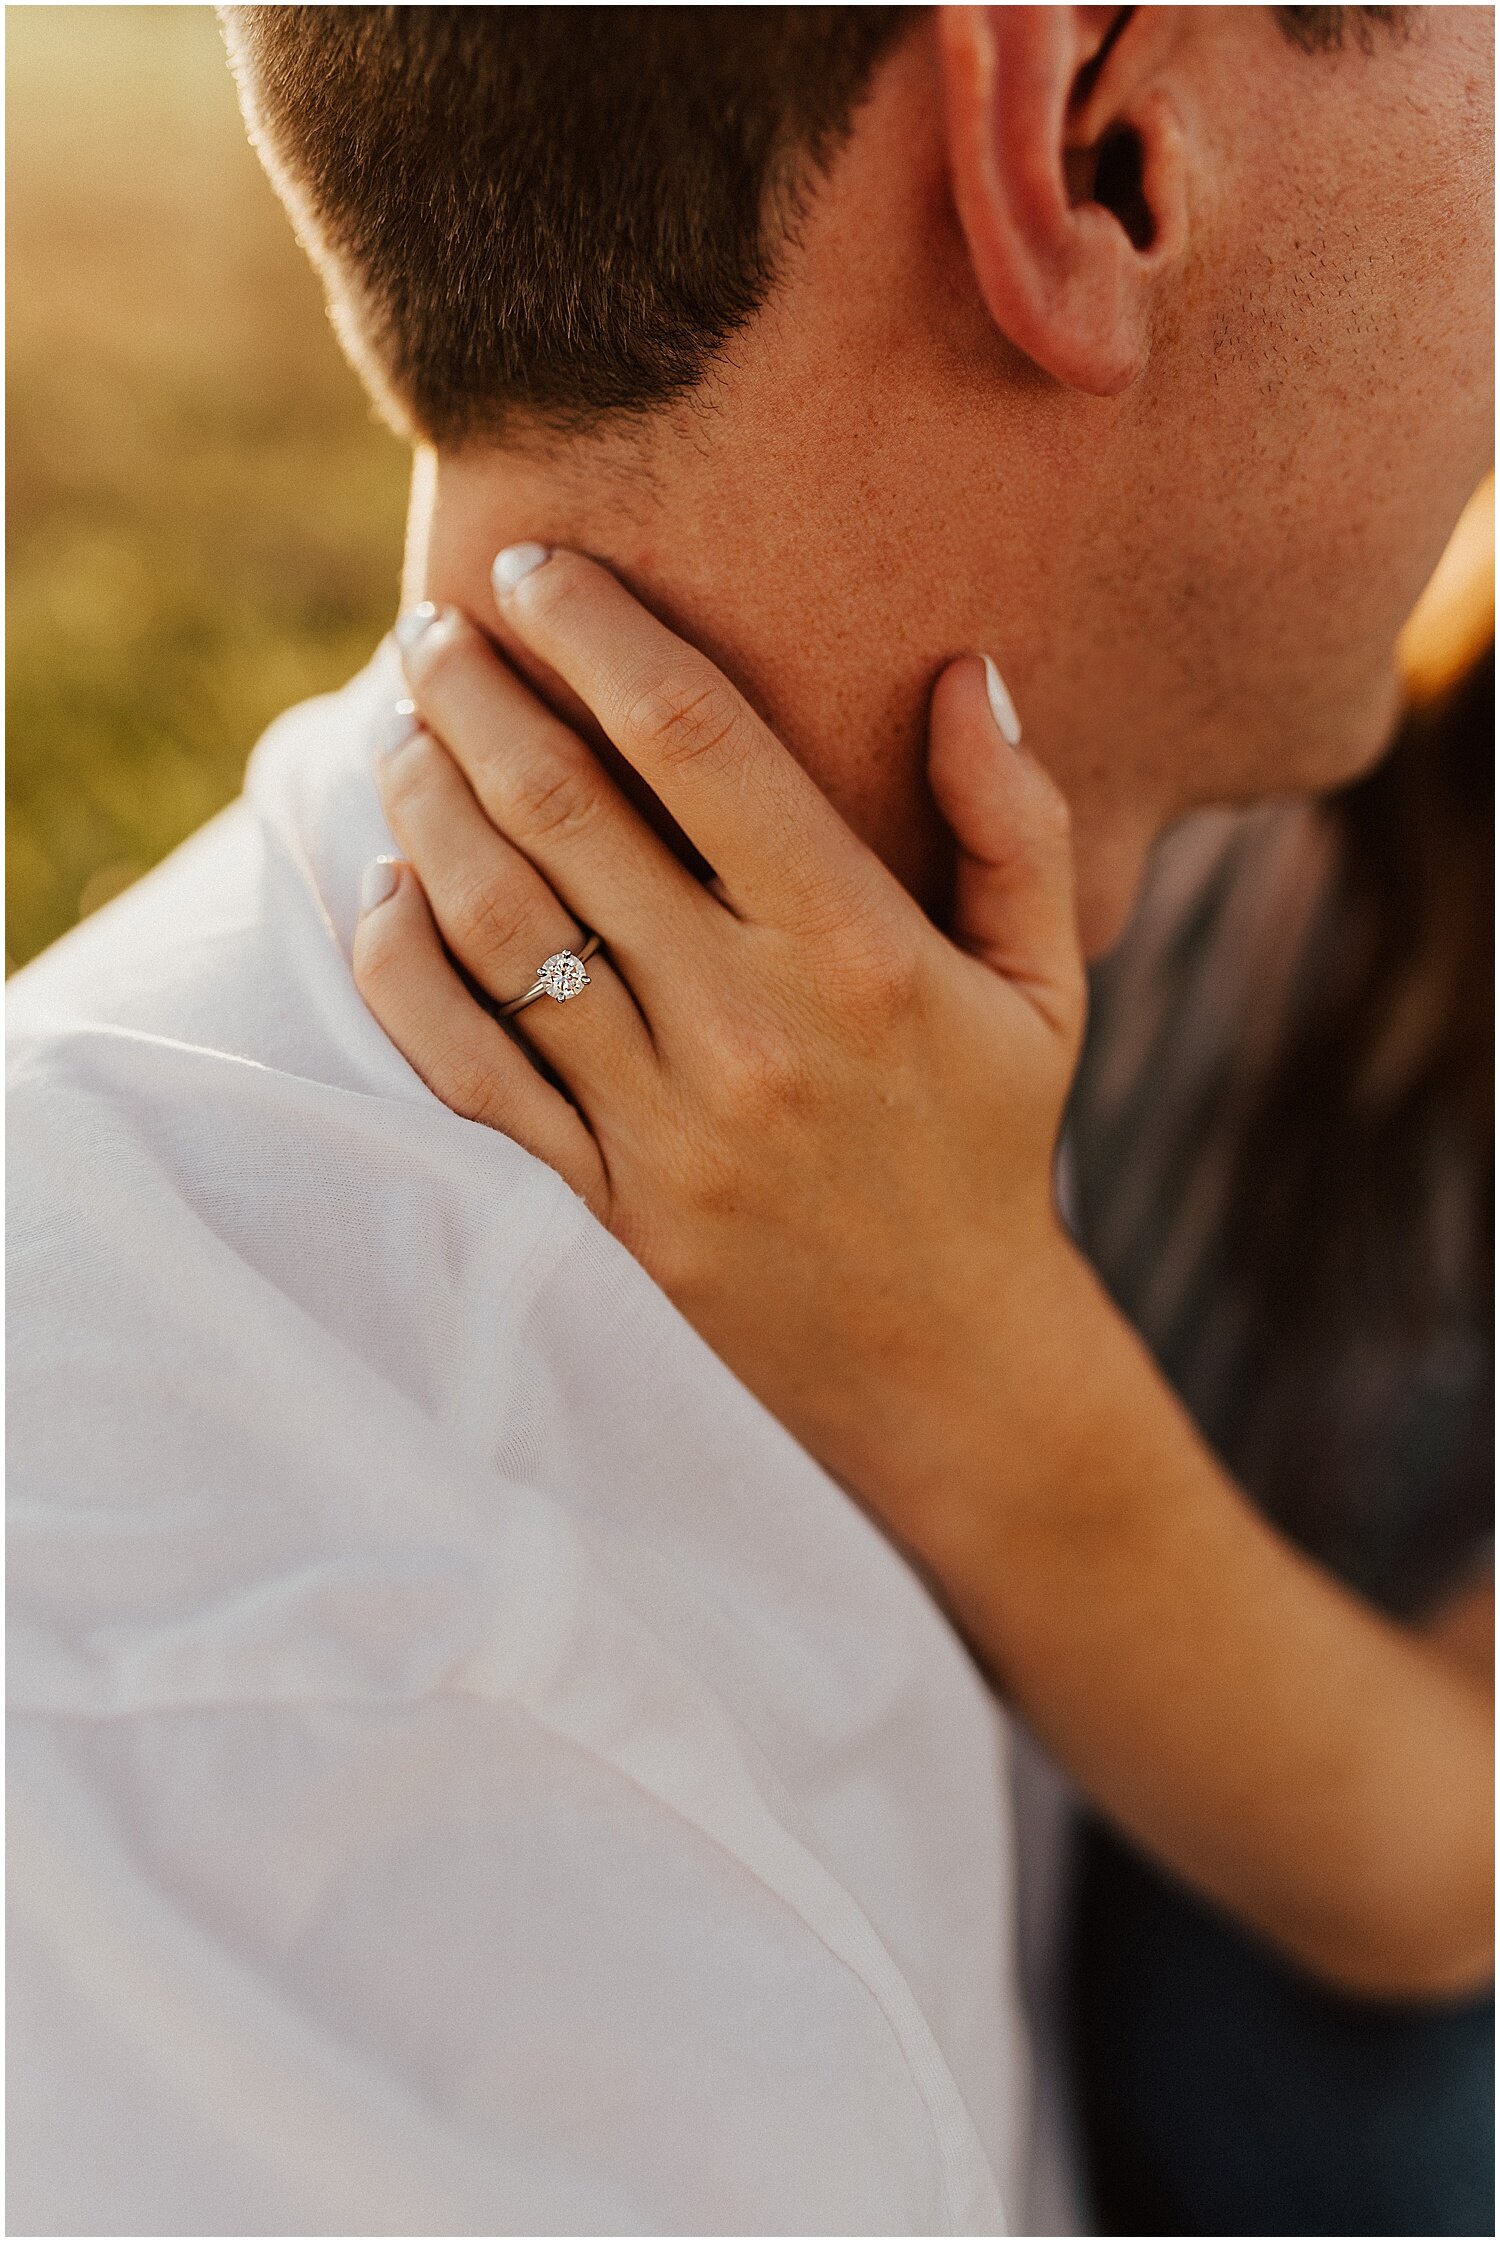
(1068, 168)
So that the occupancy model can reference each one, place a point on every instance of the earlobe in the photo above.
(1066, 167)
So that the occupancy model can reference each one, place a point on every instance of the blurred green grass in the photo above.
(204, 519)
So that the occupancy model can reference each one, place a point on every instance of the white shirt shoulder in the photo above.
(470, 1770)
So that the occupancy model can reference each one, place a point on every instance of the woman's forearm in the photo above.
(1323, 1773)
(828, 1131)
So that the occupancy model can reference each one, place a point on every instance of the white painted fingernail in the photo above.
(412, 626)
(379, 883)
(395, 728)
(1002, 707)
(516, 562)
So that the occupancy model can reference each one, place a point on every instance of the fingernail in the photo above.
(379, 883)
(515, 562)
(414, 624)
(395, 728)
(1002, 707)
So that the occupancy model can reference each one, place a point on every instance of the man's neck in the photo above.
(839, 685)
(834, 617)
(869, 482)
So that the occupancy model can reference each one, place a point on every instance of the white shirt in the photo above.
(471, 1772)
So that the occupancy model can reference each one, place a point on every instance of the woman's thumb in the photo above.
(1013, 904)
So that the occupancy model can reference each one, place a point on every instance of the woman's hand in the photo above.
(826, 1129)
(829, 1133)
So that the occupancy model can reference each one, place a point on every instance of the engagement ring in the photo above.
(560, 976)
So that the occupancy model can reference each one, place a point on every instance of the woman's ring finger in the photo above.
(561, 976)
(500, 920)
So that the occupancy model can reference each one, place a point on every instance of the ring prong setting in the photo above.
(562, 976)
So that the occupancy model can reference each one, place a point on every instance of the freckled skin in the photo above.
(1193, 588)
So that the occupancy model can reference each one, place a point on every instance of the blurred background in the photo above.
(204, 518)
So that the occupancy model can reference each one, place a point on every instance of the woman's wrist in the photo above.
(1053, 1451)
(997, 1432)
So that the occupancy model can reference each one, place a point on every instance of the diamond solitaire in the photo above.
(562, 976)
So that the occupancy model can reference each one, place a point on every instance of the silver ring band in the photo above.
(561, 976)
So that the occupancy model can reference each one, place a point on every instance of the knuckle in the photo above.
(462, 1081)
(683, 714)
(482, 923)
(877, 975)
(710, 1190)
(552, 802)
(763, 1074)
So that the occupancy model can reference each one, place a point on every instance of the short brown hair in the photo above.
(554, 215)
(548, 214)
(1325, 30)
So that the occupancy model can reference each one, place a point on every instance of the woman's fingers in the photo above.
(778, 847)
(501, 920)
(540, 785)
(460, 1053)
(1013, 904)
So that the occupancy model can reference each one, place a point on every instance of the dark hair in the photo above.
(549, 213)
(1325, 30)
(1284, 1130)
